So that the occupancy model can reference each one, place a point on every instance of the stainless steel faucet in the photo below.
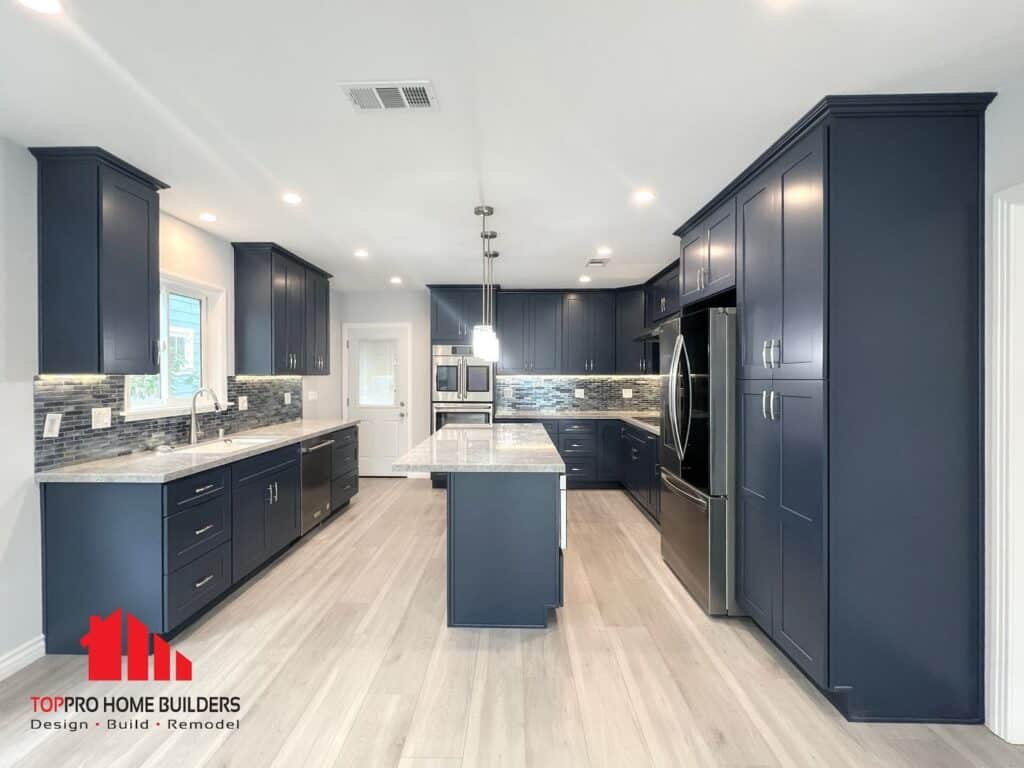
(194, 437)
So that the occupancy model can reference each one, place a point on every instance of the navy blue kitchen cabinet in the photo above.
(663, 294)
(274, 289)
(265, 511)
(632, 356)
(588, 332)
(99, 263)
(638, 468)
(529, 327)
(859, 495)
(609, 450)
(707, 255)
(454, 310)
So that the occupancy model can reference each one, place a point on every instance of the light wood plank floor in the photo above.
(341, 656)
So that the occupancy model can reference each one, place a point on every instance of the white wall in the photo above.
(378, 307)
(20, 549)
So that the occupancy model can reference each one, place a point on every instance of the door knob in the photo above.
(401, 415)
(401, 404)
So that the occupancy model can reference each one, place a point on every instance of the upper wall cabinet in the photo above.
(529, 326)
(454, 310)
(707, 255)
(663, 295)
(99, 264)
(632, 356)
(281, 313)
(588, 332)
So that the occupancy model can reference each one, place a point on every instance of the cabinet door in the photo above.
(312, 342)
(630, 356)
(802, 265)
(693, 259)
(446, 316)
(720, 270)
(471, 312)
(757, 540)
(544, 317)
(602, 332)
(249, 535)
(297, 316)
(670, 290)
(758, 282)
(512, 330)
(129, 275)
(280, 311)
(575, 334)
(283, 512)
(324, 324)
(608, 450)
(801, 609)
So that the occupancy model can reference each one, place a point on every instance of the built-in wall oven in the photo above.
(698, 373)
(462, 413)
(458, 377)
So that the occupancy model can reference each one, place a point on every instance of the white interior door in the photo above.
(376, 392)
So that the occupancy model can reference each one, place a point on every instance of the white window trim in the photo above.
(214, 348)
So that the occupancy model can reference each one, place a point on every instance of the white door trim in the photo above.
(1004, 483)
(407, 326)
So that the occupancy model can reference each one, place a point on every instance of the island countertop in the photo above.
(160, 467)
(484, 448)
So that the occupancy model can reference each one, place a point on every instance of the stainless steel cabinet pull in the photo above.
(318, 446)
(771, 405)
(575, 445)
(270, 493)
(205, 488)
(764, 354)
(317, 513)
(764, 404)
(776, 345)
(203, 582)
(204, 529)
(276, 497)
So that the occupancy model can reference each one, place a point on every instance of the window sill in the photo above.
(163, 413)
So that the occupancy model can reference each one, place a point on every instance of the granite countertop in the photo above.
(630, 417)
(484, 448)
(160, 467)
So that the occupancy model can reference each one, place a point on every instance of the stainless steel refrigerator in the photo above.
(697, 443)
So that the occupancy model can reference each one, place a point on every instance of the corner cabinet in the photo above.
(99, 263)
(632, 356)
(663, 294)
(454, 310)
(281, 313)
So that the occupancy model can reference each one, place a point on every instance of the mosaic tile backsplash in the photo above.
(75, 397)
(601, 393)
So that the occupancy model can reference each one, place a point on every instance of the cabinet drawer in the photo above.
(345, 437)
(580, 469)
(576, 427)
(189, 589)
(346, 459)
(195, 530)
(246, 469)
(343, 489)
(582, 444)
(195, 489)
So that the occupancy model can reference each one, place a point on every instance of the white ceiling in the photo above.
(552, 112)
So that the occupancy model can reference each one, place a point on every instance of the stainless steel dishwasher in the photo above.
(316, 482)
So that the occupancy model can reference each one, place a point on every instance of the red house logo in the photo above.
(104, 643)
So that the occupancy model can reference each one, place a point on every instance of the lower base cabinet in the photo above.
(344, 466)
(638, 468)
(265, 508)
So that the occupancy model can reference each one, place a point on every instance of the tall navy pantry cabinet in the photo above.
(859, 499)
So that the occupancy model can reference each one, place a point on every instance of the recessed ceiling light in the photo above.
(361, 253)
(50, 7)
(643, 196)
(207, 216)
(292, 198)
(604, 250)
(396, 280)
(584, 278)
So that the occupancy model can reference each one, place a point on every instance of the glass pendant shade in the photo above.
(485, 343)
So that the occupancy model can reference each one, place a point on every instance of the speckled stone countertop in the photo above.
(484, 448)
(160, 467)
(630, 417)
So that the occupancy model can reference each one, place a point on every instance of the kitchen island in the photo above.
(506, 521)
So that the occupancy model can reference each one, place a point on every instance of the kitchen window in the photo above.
(191, 353)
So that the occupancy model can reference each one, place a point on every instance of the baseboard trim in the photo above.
(20, 657)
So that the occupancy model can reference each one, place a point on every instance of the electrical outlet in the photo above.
(287, 398)
(51, 427)
(243, 402)
(580, 394)
(100, 418)
(311, 395)
(627, 394)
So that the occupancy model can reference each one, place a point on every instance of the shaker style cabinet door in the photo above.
(720, 270)
(602, 332)
(575, 334)
(693, 260)
(544, 316)
(512, 332)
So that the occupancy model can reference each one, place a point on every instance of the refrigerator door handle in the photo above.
(667, 479)
(673, 395)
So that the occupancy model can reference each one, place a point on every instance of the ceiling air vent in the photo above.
(596, 262)
(391, 96)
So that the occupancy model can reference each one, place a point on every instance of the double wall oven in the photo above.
(698, 374)
(463, 390)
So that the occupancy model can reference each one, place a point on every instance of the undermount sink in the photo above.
(228, 444)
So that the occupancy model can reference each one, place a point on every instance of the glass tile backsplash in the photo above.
(558, 393)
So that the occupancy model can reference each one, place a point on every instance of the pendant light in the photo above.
(485, 340)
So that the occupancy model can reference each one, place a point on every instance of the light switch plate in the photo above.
(243, 402)
(627, 394)
(311, 395)
(580, 394)
(287, 398)
(100, 418)
(51, 427)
